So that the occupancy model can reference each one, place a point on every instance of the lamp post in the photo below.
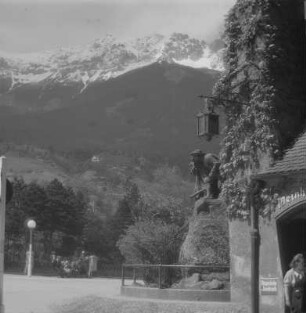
(31, 225)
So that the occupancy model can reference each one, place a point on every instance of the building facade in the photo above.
(282, 233)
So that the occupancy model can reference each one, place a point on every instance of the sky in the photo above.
(38, 25)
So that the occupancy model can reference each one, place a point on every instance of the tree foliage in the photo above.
(65, 221)
(57, 210)
(158, 221)
(151, 242)
(98, 238)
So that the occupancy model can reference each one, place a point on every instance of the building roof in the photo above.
(293, 161)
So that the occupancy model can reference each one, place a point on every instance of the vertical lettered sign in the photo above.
(2, 226)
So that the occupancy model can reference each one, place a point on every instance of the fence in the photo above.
(109, 270)
(173, 276)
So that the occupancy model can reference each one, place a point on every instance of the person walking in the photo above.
(294, 281)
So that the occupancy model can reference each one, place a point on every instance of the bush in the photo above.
(151, 242)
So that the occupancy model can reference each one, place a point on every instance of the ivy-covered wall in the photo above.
(265, 61)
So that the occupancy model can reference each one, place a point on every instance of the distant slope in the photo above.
(149, 111)
(32, 168)
(103, 182)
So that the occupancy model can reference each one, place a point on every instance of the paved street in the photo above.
(38, 294)
(97, 295)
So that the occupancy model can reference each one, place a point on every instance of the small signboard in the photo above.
(269, 286)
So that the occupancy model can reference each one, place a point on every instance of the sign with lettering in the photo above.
(269, 286)
(287, 200)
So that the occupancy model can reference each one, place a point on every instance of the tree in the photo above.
(157, 228)
(97, 237)
(34, 204)
(166, 196)
(14, 224)
(128, 210)
(59, 213)
(15, 211)
(151, 242)
(65, 213)
(64, 210)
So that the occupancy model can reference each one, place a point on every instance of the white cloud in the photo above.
(34, 25)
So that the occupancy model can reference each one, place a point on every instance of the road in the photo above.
(39, 294)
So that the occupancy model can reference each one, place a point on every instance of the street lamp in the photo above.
(31, 224)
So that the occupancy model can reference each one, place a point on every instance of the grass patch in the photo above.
(122, 305)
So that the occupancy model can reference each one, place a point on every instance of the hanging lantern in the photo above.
(207, 121)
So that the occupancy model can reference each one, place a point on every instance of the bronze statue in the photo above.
(205, 168)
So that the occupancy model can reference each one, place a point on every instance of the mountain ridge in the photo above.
(150, 110)
(104, 59)
(117, 128)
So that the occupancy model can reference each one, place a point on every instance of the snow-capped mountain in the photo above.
(104, 59)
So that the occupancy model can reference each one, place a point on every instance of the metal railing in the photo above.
(166, 275)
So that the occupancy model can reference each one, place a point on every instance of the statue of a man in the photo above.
(205, 168)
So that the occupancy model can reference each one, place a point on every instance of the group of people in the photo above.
(84, 265)
(294, 281)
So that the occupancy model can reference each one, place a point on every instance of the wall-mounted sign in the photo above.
(287, 200)
(268, 286)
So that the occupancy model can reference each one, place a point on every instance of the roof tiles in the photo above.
(294, 159)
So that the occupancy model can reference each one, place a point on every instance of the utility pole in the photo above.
(2, 225)
(255, 242)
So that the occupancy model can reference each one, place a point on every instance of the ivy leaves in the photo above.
(251, 130)
(264, 43)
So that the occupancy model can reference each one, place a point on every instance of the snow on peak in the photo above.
(106, 58)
